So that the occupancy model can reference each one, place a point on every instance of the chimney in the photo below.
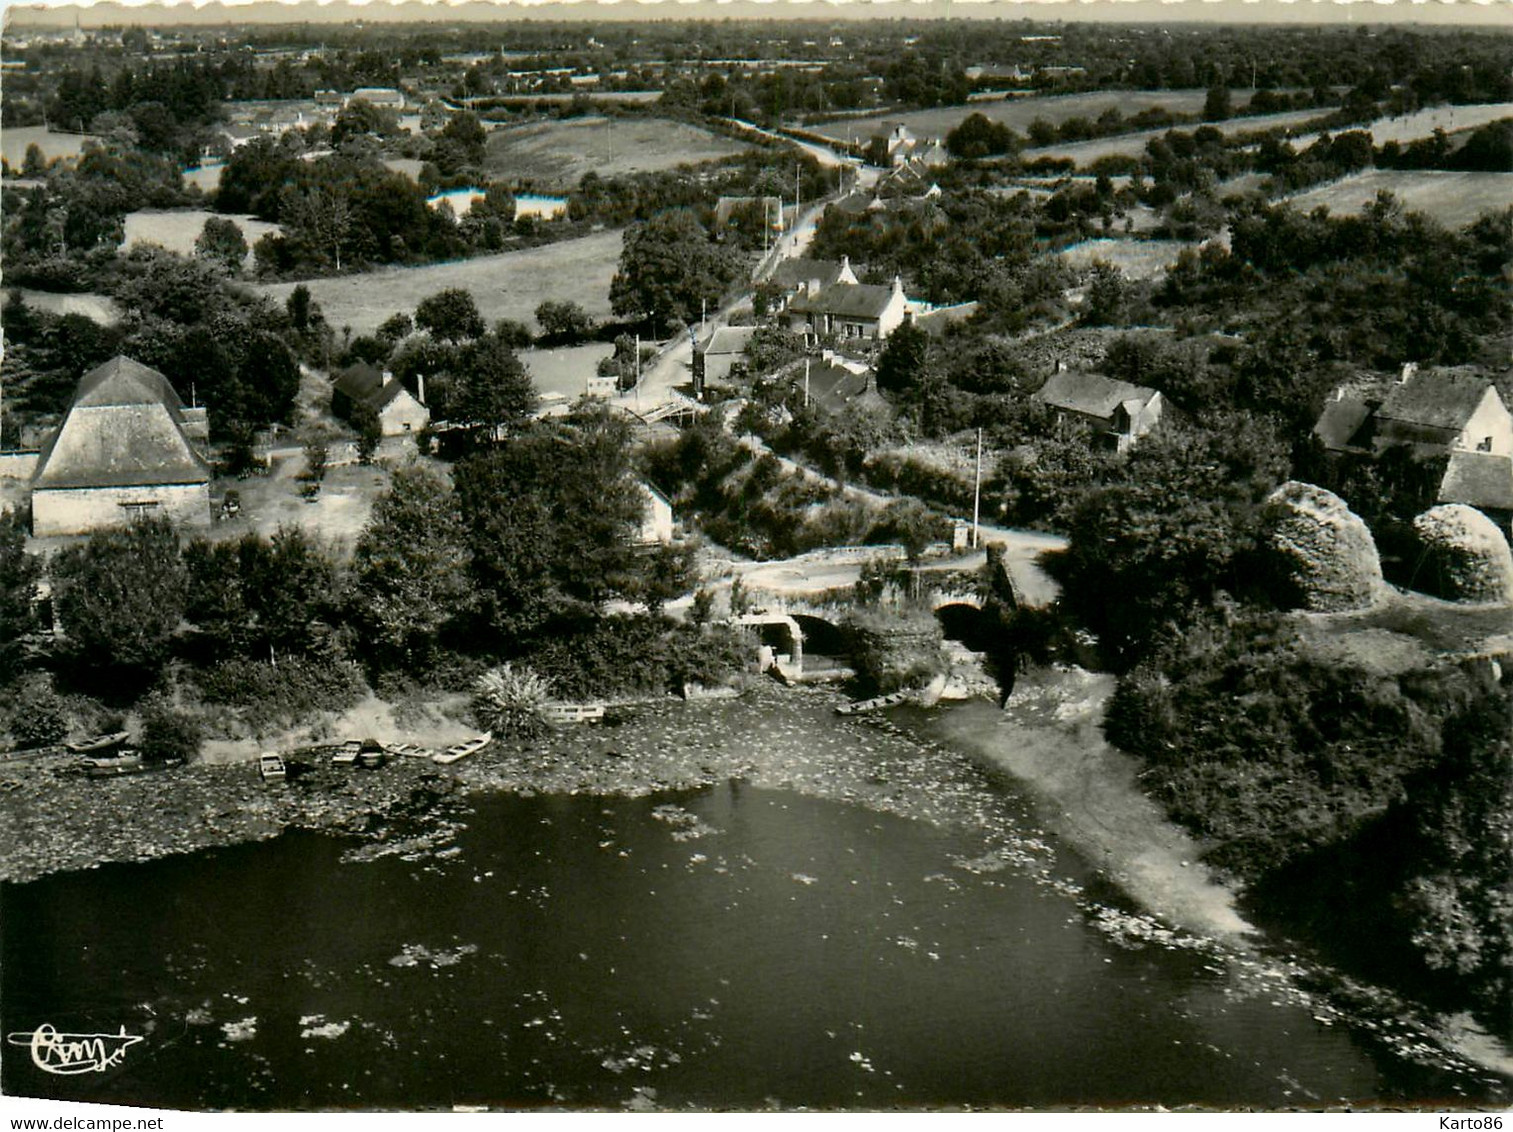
(898, 285)
(420, 388)
(1410, 369)
(388, 377)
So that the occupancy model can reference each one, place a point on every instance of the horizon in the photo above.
(42, 14)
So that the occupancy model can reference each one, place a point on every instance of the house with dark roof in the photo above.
(399, 411)
(850, 311)
(1118, 412)
(801, 276)
(127, 447)
(721, 352)
(1451, 413)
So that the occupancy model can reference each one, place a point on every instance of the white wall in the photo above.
(75, 511)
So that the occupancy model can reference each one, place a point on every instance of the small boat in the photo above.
(110, 768)
(572, 713)
(98, 743)
(410, 751)
(892, 699)
(371, 753)
(272, 768)
(461, 751)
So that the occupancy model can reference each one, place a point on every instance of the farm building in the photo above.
(385, 96)
(127, 447)
(850, 310)
(1120, 413)
(718, 354)
(1452, 413)
(399, 411)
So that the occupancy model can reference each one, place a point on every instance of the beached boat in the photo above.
(572, 713)
(371, 753)
(891, 700)
(272, 768)
(346, 754)
(98, 743)
(461, 751)
(410, 751)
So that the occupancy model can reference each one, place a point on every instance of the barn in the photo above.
(127, 447)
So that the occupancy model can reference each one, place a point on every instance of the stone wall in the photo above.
(74, 511)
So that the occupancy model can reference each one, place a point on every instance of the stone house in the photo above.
(127, 447)
(1451, 413)
(718, 355)
(856, 311)
(1118, 412)
(399, 411)
(797, 277)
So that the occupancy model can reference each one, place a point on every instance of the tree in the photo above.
(410, 570)
(563, 323)
(492, 387)
(120, 597)
(467, 132)
(901, 367)
(361, 117)
(34, 164)
(364, 418)
(669, 269)
(450, 315)
(301, 308)
(221, 242)
(1217, 106)
(396, 327)
(19, 572)
(38, 716)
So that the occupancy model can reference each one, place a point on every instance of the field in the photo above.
(178, 229)
(1086, 152)
(1411, 127)
(1135, 259)
(207, 177)
(1453, 199)
(508, 285)
(1018, 113)
(14, 140)
(100, 308)
(566, 370)
(557, 154)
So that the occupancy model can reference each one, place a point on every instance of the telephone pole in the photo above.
(977, 496)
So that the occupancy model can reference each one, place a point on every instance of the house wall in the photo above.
(76, 511)
(656, 520)
(1491, 420)
(17, 465)
(403, 414)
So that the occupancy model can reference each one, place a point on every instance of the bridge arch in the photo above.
(822, 635)
(965, 622)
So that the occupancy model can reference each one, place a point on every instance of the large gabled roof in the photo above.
(847, 300)
(1478, 479)
(125, 428)
(794, 272)
(1435, 398)
(1092, 393)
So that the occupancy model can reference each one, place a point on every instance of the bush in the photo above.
(272, 697)
(38, 715)
(636, 655)
(169, 734)
(511, 701)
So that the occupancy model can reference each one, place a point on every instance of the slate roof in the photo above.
(728, 340)
(1092, 394)
(1339, 425)
(846, 300)
(794, 272)
(1478, 479)
(362, 382)
(1437, 398)
(831, 385)
(125, 428)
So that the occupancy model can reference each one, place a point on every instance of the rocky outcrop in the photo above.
(1465, 557)
(1320, 550)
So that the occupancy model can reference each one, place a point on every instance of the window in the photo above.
(1485, 445)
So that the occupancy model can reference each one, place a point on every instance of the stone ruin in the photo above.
(1465, 556)
(1321, 550)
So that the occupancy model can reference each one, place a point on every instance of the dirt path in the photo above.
(1049, 738)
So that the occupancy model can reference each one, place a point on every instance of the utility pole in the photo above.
(806, 383)
(638, 373)
(977, 496)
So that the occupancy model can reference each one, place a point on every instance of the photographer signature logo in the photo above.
(68, 1054)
